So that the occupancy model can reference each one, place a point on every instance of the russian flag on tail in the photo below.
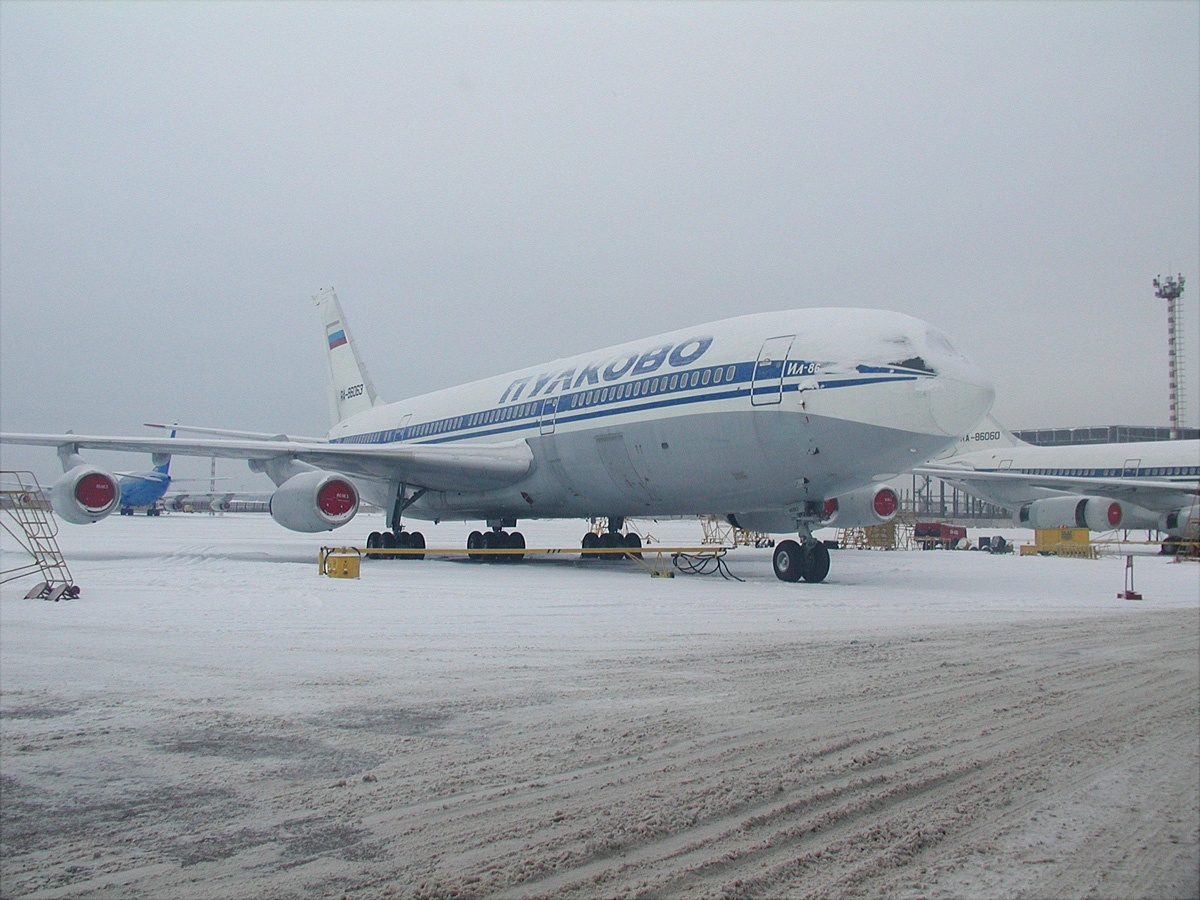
(337, 335)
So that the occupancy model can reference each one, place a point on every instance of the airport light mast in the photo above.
(1171, 289)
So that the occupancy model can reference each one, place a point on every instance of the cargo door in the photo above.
(614, 454)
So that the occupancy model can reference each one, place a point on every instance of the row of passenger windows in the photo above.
(1152, 472)
(661, 385)
(644, 388)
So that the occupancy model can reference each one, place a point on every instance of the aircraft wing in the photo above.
(439, 467)
(227, 433)
(1159, 495)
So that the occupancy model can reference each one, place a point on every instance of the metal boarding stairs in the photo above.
(28, 518)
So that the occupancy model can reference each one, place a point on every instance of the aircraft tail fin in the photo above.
(987, 435)
(350, 388)
(162, 461)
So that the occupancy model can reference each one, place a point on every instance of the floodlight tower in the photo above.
(1171, 289)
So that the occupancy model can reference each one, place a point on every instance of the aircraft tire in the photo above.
(516, 541)
(590, 541)
(374, 542)
(387, 541)
(416, 541)
(815, 564)
(610, 540)
(787, 561)
(474, 542)
(494, 540)
(404, 541)
(634, 542)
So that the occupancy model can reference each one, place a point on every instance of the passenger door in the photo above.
(766, 388)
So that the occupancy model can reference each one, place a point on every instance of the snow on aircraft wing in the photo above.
(438, 467)
(1159, 494)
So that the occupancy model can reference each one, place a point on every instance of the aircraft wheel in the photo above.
(516, 541)
(634, 542)
(374, 542)
(815, 566)
(416, 541)
(787, 561)
(494, 540)
(403, 542)
(387, 541)
(610, 540)
(474, 542)
(591, 540)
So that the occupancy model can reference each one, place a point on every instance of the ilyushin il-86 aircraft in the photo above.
(781, 422)
(1102, 487)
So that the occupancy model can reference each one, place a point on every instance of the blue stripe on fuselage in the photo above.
(1102, 472)
(578, 406)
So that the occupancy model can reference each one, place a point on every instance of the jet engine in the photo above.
(84, 495)
(314, 501)
(875, 505)
(1184, 523)
(1093, 513)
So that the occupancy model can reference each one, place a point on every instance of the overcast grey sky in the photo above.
(491, 185)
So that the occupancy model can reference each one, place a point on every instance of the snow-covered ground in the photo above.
(212, 718)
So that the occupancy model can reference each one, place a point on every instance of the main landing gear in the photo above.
(395, 540)
(610, 539)
(496, 539)
(808, 560)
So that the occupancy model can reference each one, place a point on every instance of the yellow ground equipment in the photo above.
(1075, 542)
(658, 561)
(340, 562)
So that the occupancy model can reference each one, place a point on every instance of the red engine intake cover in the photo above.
(336, 498)
(886, 503)
(95, 492)
(1114, 514)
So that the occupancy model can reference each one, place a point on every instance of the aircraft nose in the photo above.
(962, 394)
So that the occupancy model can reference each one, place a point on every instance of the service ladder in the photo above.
(28, 518)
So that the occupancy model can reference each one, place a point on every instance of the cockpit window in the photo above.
(915, 362)
(938, 341)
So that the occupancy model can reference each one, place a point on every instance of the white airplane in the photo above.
(1148, 484)
(782, 422)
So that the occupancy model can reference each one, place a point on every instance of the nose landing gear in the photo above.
(793, 561)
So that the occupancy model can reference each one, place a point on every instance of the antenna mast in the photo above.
(1171, 289)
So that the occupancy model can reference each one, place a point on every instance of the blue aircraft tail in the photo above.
(162, 461)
